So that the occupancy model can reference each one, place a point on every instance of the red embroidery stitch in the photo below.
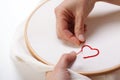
(91, 49)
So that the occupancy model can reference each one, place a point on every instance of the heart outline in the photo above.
(86, 57)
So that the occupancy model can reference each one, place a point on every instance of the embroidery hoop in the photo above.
(36, 56)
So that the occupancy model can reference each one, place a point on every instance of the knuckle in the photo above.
(79, 29)
(59, 35)
(57, 10)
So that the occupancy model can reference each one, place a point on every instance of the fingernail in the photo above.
(81, 37)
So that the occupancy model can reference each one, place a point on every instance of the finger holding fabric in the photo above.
(61, 71)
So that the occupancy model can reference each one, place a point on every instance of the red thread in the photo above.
(91, 49)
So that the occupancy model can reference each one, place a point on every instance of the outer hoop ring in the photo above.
(34, 54)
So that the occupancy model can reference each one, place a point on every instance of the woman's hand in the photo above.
(60, 72)
(71, 16)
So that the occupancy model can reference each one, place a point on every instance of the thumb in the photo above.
(79, 28)
(66, 60)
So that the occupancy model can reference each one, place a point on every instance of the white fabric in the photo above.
(42, 36)
(26, 62)
(37, 70)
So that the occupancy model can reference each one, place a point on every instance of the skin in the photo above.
(60, 71)
(71, 16)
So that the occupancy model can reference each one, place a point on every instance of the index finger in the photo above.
(63, 31)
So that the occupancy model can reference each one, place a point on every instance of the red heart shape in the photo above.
(97, 50)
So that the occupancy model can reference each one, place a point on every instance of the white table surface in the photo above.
(12, 13)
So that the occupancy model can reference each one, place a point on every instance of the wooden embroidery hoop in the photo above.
(34, 54)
